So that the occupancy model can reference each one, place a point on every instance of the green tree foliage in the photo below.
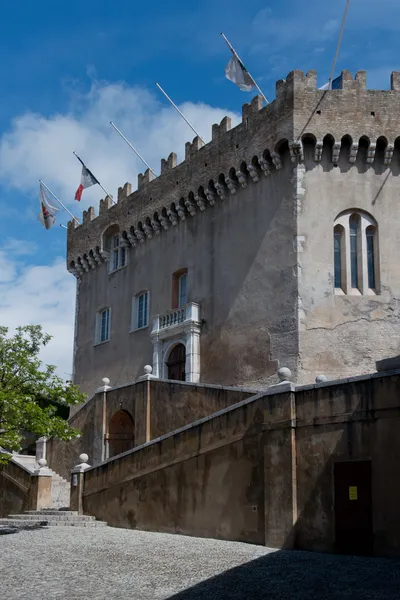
(32, 398)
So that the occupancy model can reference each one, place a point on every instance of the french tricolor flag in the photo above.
(87, 180)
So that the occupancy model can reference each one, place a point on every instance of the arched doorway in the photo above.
(176, 363)
(121, 433)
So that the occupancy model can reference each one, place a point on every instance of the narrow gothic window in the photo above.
(338, 243)
(354, 251)
(370, 233)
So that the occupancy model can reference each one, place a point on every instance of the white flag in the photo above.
(47, 215)
(237, 72)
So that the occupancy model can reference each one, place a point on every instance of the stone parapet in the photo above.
(236, 157)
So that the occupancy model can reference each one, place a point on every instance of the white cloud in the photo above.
(41, 147)
(40, 295)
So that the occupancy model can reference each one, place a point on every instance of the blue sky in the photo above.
(67, 69)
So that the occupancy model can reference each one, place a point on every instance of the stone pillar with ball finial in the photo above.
(78, 483)
(147, 377)
(40, 490)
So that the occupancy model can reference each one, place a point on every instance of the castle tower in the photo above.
(274, 244)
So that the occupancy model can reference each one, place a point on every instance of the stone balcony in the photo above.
(177, 326)
(176, 321)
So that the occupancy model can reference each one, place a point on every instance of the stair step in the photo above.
(50, 517)
(51, 511)
(45, 523)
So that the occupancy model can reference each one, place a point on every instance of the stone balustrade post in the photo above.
(77, 484)
(41, 448)
(40, 491)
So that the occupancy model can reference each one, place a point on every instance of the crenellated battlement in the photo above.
(334, 121)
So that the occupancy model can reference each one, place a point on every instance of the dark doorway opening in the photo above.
(177, 363)
(353, 508)
(121, 433)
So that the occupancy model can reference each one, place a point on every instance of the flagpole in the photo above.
(132, 148)
(338, 44)
(181, 113)
(58, 200)
(63, 226)
(232, 49)
(105, 191)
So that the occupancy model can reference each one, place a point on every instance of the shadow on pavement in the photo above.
(297, 575)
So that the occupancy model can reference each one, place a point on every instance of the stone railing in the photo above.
(179, 316)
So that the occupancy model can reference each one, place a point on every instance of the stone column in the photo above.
(77, 484)
(40, 491)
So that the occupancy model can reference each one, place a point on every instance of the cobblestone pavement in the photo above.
(118, 564)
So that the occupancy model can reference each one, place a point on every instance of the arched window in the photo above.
(356, 263)
(176, 363)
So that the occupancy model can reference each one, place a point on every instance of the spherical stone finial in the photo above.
(42, 462)
(105, 381)
(83, 458)
(148, 370)
(321, 379)
(284, 374)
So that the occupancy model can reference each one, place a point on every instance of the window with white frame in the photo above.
(103, 326)
(118, 253)
(182, 290)
(356, 261)
(141, 310)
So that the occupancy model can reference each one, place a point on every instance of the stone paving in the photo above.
(118, 564)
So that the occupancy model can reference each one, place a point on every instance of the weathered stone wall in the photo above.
(347, 421)
(262, 471)
(250, 215)
(240, 259)
(204, 480)
(63, 456)
(15, 487)
(172, 405)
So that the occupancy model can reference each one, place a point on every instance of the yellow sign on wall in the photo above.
(353, 492)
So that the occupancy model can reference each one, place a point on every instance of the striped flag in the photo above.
(87, 180)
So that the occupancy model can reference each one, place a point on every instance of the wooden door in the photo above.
(121, 433)
(353, 508)
(177, 363)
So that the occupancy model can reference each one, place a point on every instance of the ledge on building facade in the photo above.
(176, 321)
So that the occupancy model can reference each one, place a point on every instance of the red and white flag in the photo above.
(87, 180)
(48, 211)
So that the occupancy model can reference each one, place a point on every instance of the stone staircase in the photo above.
(56, 515)
(60, 487)
(48, 517)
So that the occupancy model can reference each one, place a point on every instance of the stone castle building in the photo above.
(273, 245)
